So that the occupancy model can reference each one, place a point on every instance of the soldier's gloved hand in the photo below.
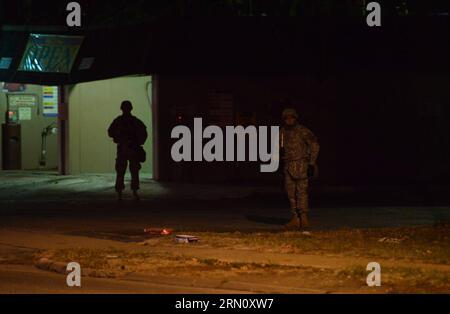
(313, 171)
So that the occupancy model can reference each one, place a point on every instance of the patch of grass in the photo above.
(24, 257)
(427, 244)
(403, 279)
(120, 262)
(88, 258)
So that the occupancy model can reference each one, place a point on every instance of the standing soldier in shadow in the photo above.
(129, 133)
(300, 150)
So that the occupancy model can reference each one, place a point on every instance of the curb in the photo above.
(61, 268)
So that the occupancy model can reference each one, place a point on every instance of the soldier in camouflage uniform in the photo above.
(300, 151)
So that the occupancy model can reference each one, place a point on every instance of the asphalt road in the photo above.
(29, 280)
(86, 204)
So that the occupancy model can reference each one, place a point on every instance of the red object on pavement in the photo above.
(166, 231)
(158, 231)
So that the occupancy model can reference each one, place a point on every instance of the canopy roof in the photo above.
(251, 45)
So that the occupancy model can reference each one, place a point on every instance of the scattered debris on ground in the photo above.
(185, 238)
(158, 231)
(419, 264)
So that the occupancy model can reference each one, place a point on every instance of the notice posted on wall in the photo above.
(50, 101)
(25, 113)
(19, 100)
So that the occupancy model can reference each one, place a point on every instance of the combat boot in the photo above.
(304, 220)
(119, 196)
(294, 223)
(136, 196)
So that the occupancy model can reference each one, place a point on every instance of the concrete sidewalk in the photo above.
(15, 185)
(86, 204)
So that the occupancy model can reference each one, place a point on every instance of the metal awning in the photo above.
(237, 46)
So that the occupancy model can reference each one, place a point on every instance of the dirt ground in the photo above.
(413, 259)
(242, 246)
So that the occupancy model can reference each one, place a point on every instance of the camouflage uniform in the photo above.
(301, 149)
(129, 133)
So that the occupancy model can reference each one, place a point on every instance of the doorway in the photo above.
(29, 127)
(92, 107)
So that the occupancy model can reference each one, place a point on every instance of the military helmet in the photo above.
(126, 105)
(289, 112)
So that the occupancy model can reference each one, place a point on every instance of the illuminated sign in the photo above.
(22, 100)
(5, 63)
(50, 101)
(13, 87)
(50, 53)
(86, 63)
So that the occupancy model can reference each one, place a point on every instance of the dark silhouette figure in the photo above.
(129, 133)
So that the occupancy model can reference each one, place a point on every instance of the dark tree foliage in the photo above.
(126, 12)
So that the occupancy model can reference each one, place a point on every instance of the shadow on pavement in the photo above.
(267, 220)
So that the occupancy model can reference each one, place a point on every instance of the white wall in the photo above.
(92, 108)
